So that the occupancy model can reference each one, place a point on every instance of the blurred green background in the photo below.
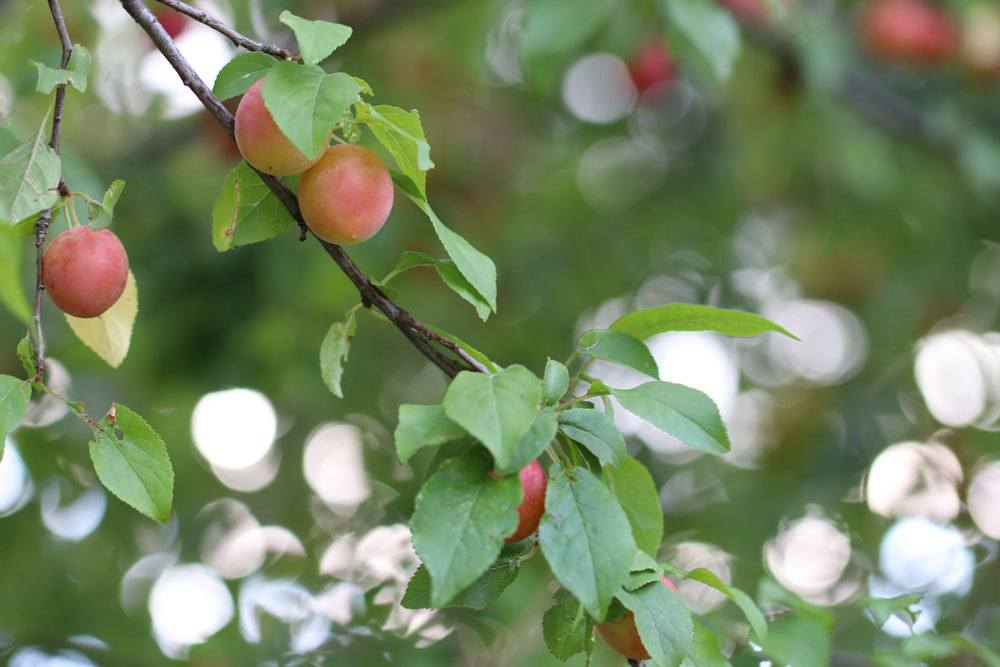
(767, 192)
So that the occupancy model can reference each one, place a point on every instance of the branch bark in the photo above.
(45, 218)
(236, 38)
(418, 333)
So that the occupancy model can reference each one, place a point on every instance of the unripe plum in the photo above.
(622, 636)
(529, 512)
(85, 271)
(261, 141)
(909, 31)
(652, 66)
(346, 197)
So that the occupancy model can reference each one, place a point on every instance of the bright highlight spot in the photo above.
(234, 428)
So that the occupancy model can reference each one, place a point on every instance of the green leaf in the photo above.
(663, 621)
(422, 426)
(306, 103)
(882, 609)
(704, 650)
(555, 383)
(632, 484)
(710, 28)
(317, 39)
(29, 175)
(481, 594)
(240, 73)
(334, 350)
(109, 335)
(586, 538)
(594, 430)
(471, 351)
(495, 409)
(75, 74)
(100, 214)
(620, 348)
(132, 462)
(644, 571)
(534, 442)
(693, 317)
(11, 292)
(477, 268)
(246, 211)
(683, 412)
(558, 26)
(14, 398)
(799, 640)
(401, 133)
(746, 604)
(461, 518)
(26, 353)
(567, 628)
(449, 274)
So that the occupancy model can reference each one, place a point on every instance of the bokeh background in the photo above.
(852, 199)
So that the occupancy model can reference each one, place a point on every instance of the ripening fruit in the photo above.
(172, 21)
(262, 143)
(85, 271)
(529, 512)
(346, 197)
(909, 31)
(622, 636)
(652, 66)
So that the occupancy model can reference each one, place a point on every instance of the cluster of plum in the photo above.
(345, 196)
(345, 193)
(619, 634)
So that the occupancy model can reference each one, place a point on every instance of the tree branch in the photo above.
(45, 218)
(418, 333)
(236, 38)
(862, 93)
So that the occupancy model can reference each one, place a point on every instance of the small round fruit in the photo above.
(261, 141)
(909, 31)
(622, 636)
(85, 271)
(652, 66)
(529, 512)
(346, 197)
(172, 21)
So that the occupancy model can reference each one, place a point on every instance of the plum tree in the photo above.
(909, 31)
(261, 141)
(346, 197)
(529, 512)
(622, 636)
(85, 271)
(652, 66)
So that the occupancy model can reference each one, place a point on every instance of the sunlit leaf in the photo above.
(76, 72)
(317, 39)
(109, 335)
(29, 175)
(685, 413)
(334, 351)
(642, 324)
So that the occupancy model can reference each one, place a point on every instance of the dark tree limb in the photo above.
(45, 218)
(418, 333)
(236, 38)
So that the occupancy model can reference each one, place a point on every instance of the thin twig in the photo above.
(45, 218)
(418, 333)
(862, 93)
(236, 38)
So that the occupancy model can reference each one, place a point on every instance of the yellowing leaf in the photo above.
(109, 335)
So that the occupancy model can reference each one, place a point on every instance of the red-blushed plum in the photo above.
(622, 636)
(261, 141)
(172, 21)
(909, 31)
(652, 66)
(529, 512)
(346, 197)
(85, 271)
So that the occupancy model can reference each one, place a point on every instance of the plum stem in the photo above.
(42, 224)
